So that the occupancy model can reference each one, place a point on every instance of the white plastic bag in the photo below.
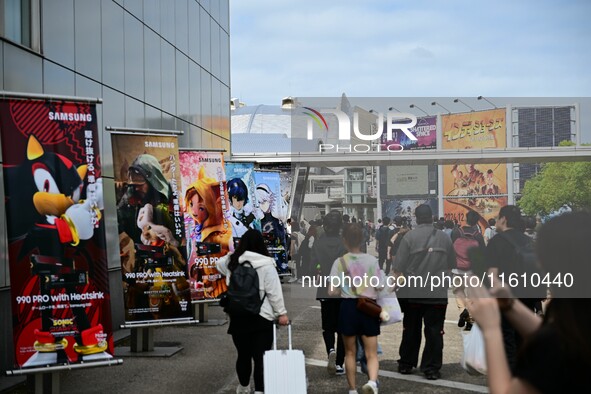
(474, 357)
(389, 303)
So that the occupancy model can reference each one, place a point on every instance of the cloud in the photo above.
(419, 48)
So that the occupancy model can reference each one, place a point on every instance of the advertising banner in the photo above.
(478, 187)
(425, 131)
(406, 208)
(240, 186)
(474, 130)
(55, 227)
(151, 228)
(286, 180)
(268, 209)
(206, 212)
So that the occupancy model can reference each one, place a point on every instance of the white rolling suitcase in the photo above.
(285, 369)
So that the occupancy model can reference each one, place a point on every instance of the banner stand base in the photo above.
(46, 379)
(200, 311)
(142, 345)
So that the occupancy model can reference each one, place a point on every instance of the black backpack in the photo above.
(242, 297)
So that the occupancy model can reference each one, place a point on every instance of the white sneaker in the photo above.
(369, 388)
(332, 362)
(243, 389)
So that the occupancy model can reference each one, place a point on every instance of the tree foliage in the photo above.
(556, 185)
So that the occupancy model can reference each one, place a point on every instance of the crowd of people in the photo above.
(526, 343)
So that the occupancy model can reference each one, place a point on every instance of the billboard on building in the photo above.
(425, 131)
(206, 208)
(56, 236)
(478, 187)
(151, 229)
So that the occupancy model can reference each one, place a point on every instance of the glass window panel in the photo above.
(87, 23)
(194, 32)
(135, 7)
(58, 32)
(181, 25)
(134, 56)
(57, 80)
(182, 86)
(168, 78)
(206, 103)
(215, 50)
(113, 51)
(205, 40)
(23, 71)
(153, 73)
(152, 14)
(153, 117)
(195, 94)
(167, 21)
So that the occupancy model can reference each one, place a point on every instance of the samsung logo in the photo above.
(70, 116)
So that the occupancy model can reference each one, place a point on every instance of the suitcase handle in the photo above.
(275, 323)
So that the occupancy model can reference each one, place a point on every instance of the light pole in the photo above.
(419, 108)
(394, 108)
(487, 100)
(460, 101)
(436, 103)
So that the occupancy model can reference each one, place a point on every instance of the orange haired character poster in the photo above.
(206, 208)
(478, 187)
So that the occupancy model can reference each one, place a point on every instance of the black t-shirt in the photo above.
(545, 364)
(501, 254)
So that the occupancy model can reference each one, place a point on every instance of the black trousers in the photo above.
(433, 316)
(252, 346)
(329, 311)
(512, 341)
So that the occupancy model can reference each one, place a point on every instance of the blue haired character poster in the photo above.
(240, 186)
(269, 210)
(55, 227)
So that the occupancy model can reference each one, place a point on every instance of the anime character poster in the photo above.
(208, 231)
(425, 130)
(406, 208)
(55, 228)
(240, 186)
(151, 229)
(286, 174)
(267, 195)
(478, 187)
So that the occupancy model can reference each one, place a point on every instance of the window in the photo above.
(20, 22)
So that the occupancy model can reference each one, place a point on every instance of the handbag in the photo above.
(369, 306)
(389, 303)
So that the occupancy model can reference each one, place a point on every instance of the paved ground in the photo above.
(206, 363)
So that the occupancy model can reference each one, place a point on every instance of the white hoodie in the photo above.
(269, 283)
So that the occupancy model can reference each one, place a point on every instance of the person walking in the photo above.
(253, 334)
(556, 355)
(353, 322)
(465, 238)
(325, 251)
(423, 251)
(501, 257)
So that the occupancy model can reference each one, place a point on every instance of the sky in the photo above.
(413, 48)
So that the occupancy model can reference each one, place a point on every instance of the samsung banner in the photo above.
(207, 225)
(151, 228)
(56, 238)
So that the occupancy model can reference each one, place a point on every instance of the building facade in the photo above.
(155, 64)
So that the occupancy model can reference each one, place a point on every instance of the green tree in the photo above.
(556, 185)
